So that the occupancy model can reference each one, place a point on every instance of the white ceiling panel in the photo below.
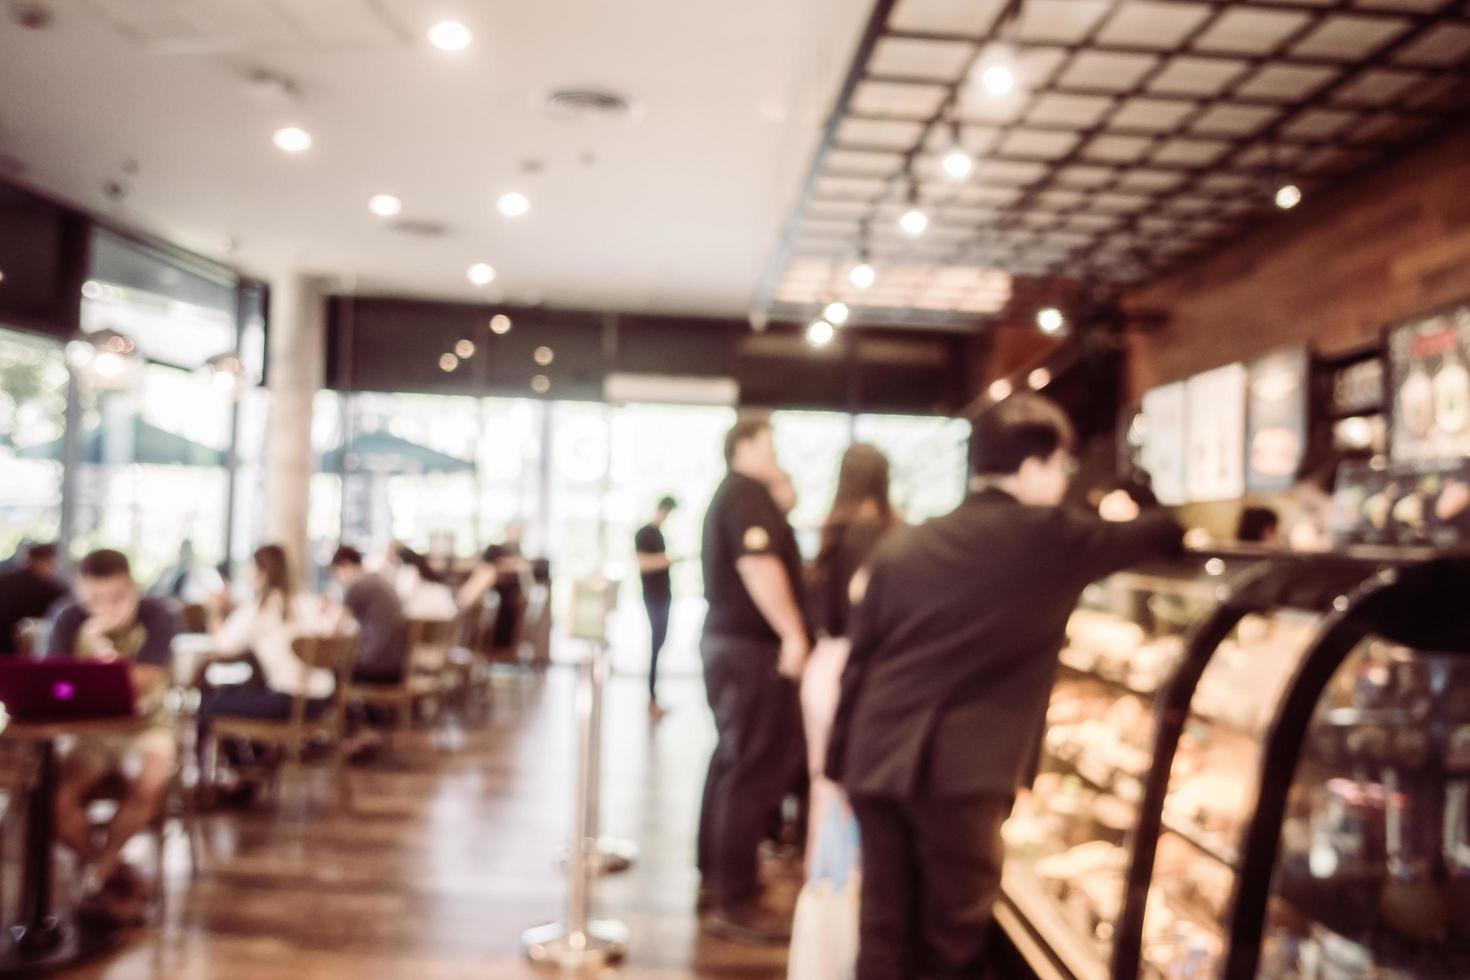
(1154, 114)
(1349, 38)
(943, 61)
(1251, 32)
(1286, 83)
(1197, 76)
(1060, 21)
(972, 17)
(1107, 71)
(1149, 24)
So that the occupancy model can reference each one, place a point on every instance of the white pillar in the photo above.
(298, 350)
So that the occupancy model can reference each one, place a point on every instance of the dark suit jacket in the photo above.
(954, 648)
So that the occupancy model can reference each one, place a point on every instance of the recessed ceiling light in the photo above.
(450, 35)
(514, 204)
(481, 274)
(500, 324)
(1288, 197)
(958, 164)
(541, 384)
(544, 356)
(820, 333)
(1039, 378)
(384, 205)
(292, 140)
(448, 363)
(465, 349)
(1000, 389)
(837, 313)
(1050, 320)
(914, 222)
(862, 275)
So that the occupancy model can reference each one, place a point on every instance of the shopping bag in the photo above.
(824, 935)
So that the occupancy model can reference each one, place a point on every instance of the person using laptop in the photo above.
(111, 621)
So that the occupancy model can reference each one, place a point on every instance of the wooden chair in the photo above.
(291, 735)
(429, 643)
(178, 807)
(496, 650)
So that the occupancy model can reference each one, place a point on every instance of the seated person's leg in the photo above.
(83, 766)
(155, 752)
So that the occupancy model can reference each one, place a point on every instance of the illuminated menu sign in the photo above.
(1429, 374)
(1276, 420)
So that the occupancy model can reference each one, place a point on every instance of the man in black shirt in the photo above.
(658, 595)
(754, 645)
(28, 592)
(382, 653)
(954, 652)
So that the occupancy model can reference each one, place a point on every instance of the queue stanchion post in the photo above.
(578, 941)
(607, 855)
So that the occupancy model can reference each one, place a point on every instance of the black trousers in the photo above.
(658, 622)
(931, 872)
(759, 750)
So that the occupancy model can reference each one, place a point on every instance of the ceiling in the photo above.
(1139, 133)
(674, 209)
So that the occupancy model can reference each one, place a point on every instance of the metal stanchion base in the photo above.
(604, 942)
(605, 856)
(613, 855)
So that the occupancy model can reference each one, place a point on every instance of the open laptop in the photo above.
(65, 689)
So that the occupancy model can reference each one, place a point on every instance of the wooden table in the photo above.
(42, 941)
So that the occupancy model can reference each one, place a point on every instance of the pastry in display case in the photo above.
(1211, 791)
(1069, 838)
(1147, 845)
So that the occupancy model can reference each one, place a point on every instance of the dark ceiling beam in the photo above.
(781, 256)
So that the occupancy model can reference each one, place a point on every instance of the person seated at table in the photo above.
(503, 569)
(421, 589)
(265, 628)
(28, 592)
(382, 628)
(110, 620)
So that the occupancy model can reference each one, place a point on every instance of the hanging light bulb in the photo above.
(957, 163)
(1288, 196)
(998, 79)
(820, 333)
(1050, 320)
(862, 275)
(913, 222)
(836, 313)
(1000, 389)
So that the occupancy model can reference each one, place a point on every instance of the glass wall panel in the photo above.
(33, 383)
(928, 457)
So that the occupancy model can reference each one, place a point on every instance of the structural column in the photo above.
(297, 371)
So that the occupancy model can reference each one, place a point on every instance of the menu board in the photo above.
(1276, 420)
(1214, 460)
(1163, 441)
(1429, 377)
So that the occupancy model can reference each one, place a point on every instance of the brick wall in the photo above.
(1332, 273)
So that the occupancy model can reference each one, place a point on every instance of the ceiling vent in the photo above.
(420, 228)
(587, 105)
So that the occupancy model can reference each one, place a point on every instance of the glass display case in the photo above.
(1254, 766)
(1070, 835)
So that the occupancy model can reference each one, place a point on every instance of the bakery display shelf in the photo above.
(1041, 915)
(1121, 688)
(1202, 840)
(1204, 590)
(1124, 785)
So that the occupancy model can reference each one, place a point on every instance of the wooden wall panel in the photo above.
(1332, 273)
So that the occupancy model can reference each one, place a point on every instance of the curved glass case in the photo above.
(1070, 836)
(1373, 868)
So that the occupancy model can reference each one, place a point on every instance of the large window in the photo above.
(33, 383)
(928, 457)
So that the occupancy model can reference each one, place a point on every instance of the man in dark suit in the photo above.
(954, 652)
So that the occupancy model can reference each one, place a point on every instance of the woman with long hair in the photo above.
(861, 514)
(265, 629)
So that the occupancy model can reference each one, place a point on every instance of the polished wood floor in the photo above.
(448, 855)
